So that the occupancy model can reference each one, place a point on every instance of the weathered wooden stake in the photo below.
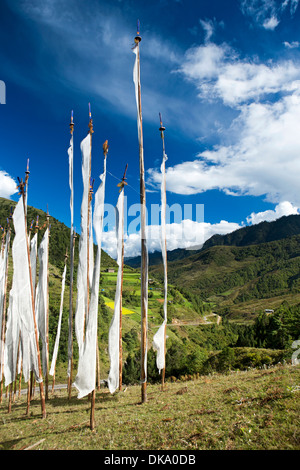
(162, 129)
(144, 255)
(43, 405)
(4, 315)
(72, 250)
(122, 184)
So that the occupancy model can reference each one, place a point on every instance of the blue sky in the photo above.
(224, 75)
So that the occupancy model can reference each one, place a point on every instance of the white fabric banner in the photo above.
(85, 380)
(55, 350)
(3, 279)
(114, 330)
(41, 297)
(136, 80)
(11, 341)
(91, 250)
(144, 263)
(159, 337)
(33, 259)
(70, 337)
(20, 310)
(3, 270)
(82, 292)
(70, 154)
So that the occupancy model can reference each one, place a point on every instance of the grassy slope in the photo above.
(228, 275)
(253, 410)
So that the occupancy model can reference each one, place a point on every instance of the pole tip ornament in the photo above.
(105, 147)
(138, 38)
(71, 123)
(162, 128)
(91, 120)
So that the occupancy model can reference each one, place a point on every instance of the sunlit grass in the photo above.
(253, 410)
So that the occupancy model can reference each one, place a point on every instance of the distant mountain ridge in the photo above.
(264, 232)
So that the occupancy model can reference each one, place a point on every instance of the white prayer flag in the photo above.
(33, 258)
(11, 341)
(159, 337)
(91, 249)
(55, 351)
(136, 80)
(70, 154)
(85, 381)
(70, 338)
(41, 300)
(144, 259)
(82, 292)
(114, 330)
(3, 282)
(20, 310)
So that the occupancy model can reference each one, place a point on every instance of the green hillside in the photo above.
(241, 279)
(59, 234)
(206, 292)
(180, 307)
(263, 232)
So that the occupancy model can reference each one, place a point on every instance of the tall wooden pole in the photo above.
(93, 394)
(90, 196)
(164, 247)
(32, 378)
(43, 405)
(122, 184)
(3, 313)
(47, 314)
(72, 250)
(91, 131)
(53, 382)
(144, 255)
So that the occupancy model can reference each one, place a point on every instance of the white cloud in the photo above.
(283, 208)
(260, 152)
(267, 13)
(187, 234)
(271, 23)
(291, 45)
(209, 26)
(83, 37)
(8, 186)
(263, 160)
(218, 73)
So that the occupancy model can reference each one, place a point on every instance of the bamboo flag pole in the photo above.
(43, 405)
(164, 244)
(122, 184)
(8, 235)
(91, 131)
(47, 312)
(96, 286)
(32, 380)
(56, 345)
(144, 254)
(72, 249)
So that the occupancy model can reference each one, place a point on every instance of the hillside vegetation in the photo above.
(206, 292)
(241, 279)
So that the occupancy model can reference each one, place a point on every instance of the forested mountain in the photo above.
(263, 232)
(238, 282)
(239, 274)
